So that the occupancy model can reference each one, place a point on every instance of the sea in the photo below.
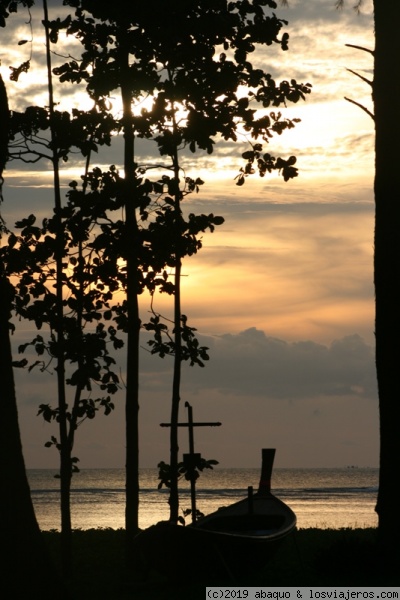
(324, 498)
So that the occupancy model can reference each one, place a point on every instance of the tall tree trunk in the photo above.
(386, 94)
(65, 449)
(177, 374)
(132, 290)
(24, 557)
(177, 371)
(4, 127)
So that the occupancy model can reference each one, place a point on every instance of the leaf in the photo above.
(12, 240)
(22, 42)
(48, 415)
(20, 364)
(35, 364)
(16, 71)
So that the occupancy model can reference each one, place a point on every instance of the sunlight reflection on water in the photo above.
(324, 498)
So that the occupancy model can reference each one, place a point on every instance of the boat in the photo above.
(232, 542)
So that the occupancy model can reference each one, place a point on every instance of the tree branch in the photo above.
(361, 77)
(360, 48)
(357, 7)
(362, 107)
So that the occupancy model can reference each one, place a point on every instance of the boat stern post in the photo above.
(268, 456)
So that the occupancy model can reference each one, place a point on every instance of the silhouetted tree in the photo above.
(189, 75)
(25, 557)
(40, 257)
(385, 94)
(386, 91)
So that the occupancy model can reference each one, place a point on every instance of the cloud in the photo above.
(317, 403)
(253, 364)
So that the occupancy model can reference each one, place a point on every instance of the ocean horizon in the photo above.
(325, 498)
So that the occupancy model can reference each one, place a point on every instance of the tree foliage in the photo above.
(121, 232)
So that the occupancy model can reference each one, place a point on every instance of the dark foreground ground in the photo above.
(311, 557)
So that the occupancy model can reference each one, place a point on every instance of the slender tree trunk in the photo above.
(65, 449)
(176, 383)
(131, 248)
(79, 324)
(4, 127)
(386, 94)
(25, 558)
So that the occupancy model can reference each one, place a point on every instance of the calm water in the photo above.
(324, 498)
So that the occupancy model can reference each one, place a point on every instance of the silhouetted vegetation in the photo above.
(311, 557)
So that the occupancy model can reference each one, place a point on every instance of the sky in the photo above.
(281, 293)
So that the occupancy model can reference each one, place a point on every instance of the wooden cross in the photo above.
(192, 459)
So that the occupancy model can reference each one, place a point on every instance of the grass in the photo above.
(310, 557)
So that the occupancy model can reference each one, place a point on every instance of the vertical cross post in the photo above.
(192, 459)
(192, 462)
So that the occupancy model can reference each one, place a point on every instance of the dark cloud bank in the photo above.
(253, 364)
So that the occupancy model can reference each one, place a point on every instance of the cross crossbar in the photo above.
(201, 424)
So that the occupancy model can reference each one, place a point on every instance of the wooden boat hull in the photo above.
(232, 542)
